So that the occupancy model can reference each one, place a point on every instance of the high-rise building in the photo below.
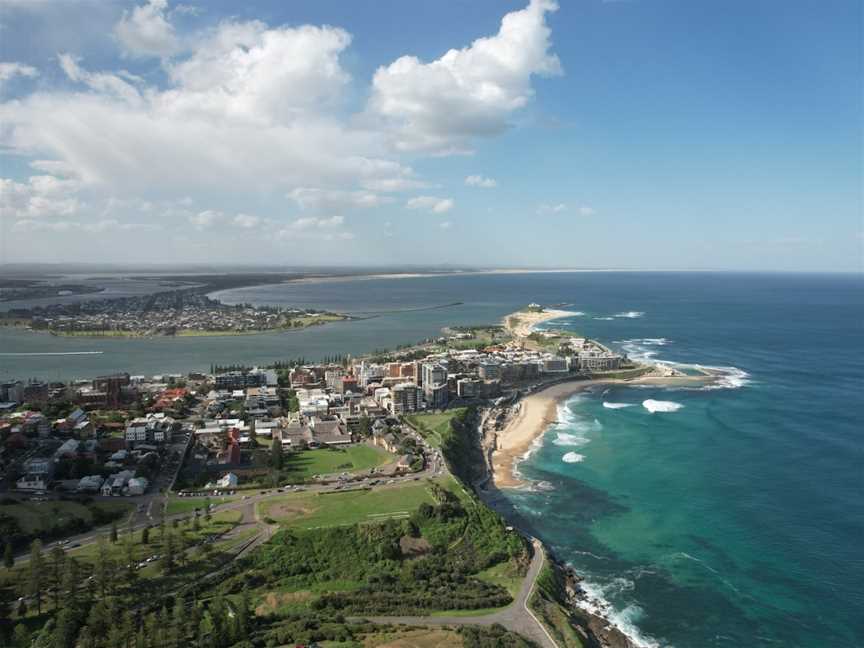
(406, 398)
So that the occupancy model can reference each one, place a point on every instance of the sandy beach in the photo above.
(540, 409)
(521, 324)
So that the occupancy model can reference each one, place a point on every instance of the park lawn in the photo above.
(434, 427)
(36, 517)
(313, 510)
(407, 638)
(323, 461)
(506, 574)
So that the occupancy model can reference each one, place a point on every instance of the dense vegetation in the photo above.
(423, 563)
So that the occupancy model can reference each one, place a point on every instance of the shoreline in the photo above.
(539, 410)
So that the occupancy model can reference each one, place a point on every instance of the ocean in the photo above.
(723, 517)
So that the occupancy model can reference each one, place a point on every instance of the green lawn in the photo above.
(302, 465)
(506, 574)
(311, 510)
(432, 427)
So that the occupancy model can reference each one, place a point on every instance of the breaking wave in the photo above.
(654, 406)
(630, 314)
(573, 457)
(604, 319)
(616, 405)
(596, 602)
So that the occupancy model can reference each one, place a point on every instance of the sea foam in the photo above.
(597, 603)
(573, 457)
(654, 406)
(616, 405)
(630, 314)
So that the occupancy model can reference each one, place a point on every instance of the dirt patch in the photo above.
(413, 547)
(288, 511)
(420, 638)
(274, 600)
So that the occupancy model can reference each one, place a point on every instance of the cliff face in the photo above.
(558, 602)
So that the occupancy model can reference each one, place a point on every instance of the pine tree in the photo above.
(58, 560)
(103, 568)
(70, 583)
(178, 618)
(131, 562)
(8, 558)
(277, 460)
(35, 576)
(168, 554)
(243, 613)
(145, 535)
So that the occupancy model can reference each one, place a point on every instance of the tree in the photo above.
(131, 561)
(70, 583)
(243, 615)
(113, 536)
(8, 558)
(277, 459)
(365, 426)
(178, 619)
(145, 535)
(103, 568)
(66, 629)
(35, 576)
(21, 636)
(168, 554)
(58, 561)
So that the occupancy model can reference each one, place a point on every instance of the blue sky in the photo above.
(628, 133)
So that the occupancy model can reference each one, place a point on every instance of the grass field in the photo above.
(311, 510)
(323, 461)
(433, 426)
(39, 517)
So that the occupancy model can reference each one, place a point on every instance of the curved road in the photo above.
(516, 617)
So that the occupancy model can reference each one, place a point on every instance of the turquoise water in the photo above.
(727, 517)
(735, 520)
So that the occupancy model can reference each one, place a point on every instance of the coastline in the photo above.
(539, 410)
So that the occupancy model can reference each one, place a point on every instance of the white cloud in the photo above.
(146, 31)
(310, 222)
(331, 200)
(310, 227)
(110, 85)
(11, 70)
(431, 203)
(205, 219)
(481, 181)
(41, 196)
(441, 106)
(101, 226)
(246, 221)
(249, 109)
(545, 208)
(560, 208)
(446, 225)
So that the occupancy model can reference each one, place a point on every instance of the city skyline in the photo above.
(592, 134)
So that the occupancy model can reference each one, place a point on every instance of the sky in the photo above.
(653, 134)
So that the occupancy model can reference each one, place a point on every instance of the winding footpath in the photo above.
(516, 617)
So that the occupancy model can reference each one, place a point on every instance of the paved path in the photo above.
(516, 617)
